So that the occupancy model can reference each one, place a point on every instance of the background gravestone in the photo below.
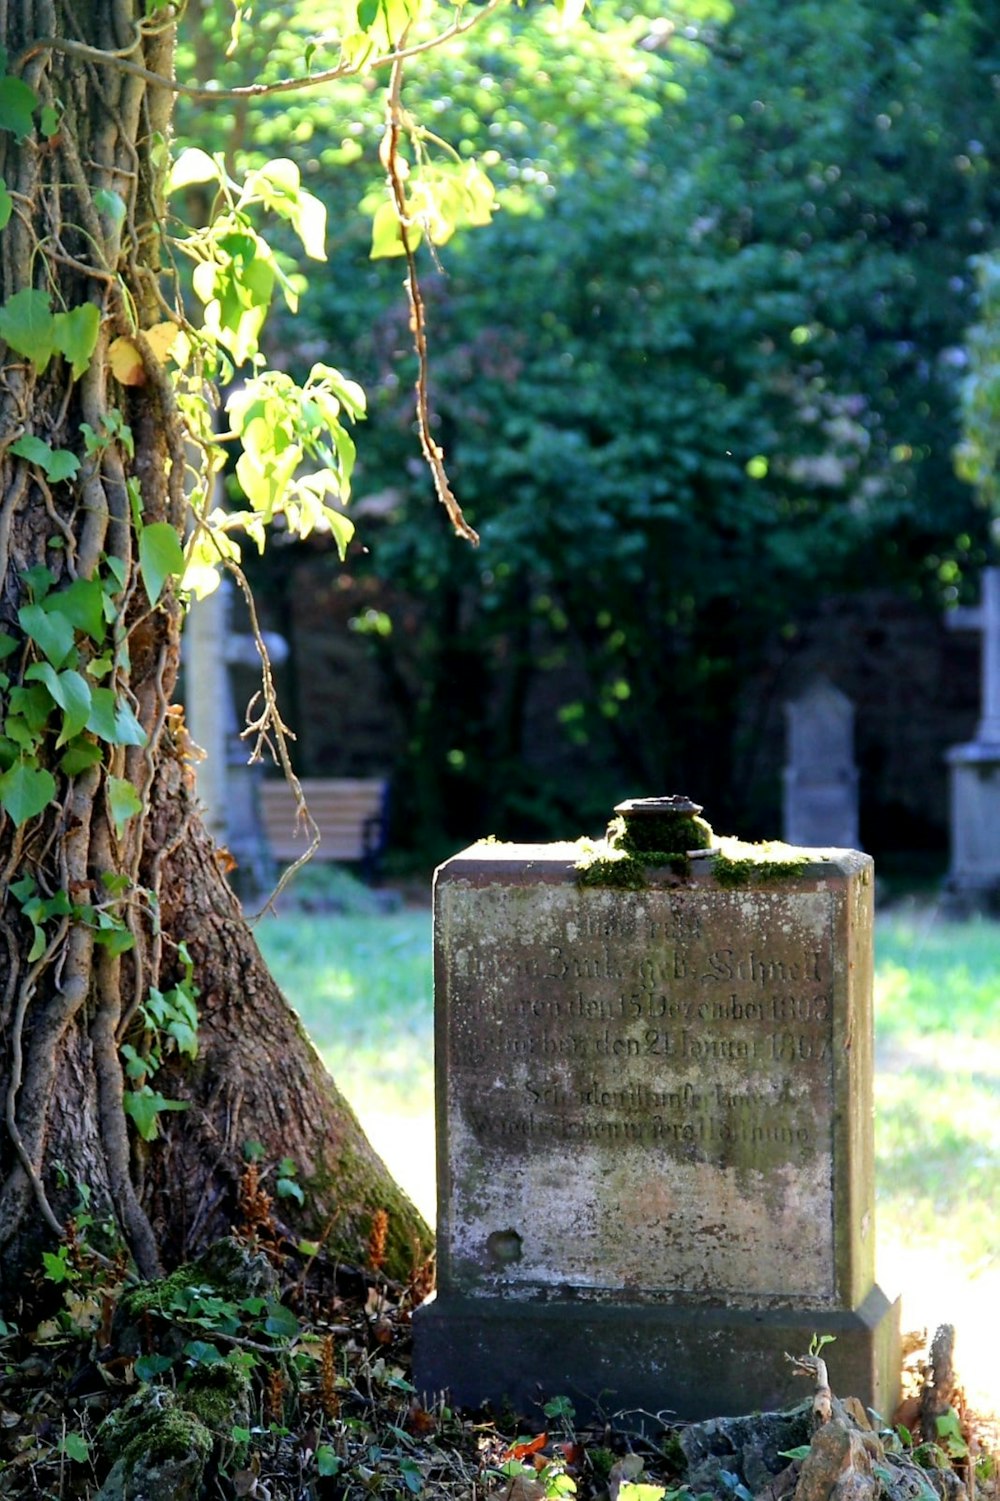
(227, 781)
(820, 779)
(655, 1137)
(974, 872)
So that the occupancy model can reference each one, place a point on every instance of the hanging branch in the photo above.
(418, 323)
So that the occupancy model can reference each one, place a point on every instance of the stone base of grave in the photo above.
(973, 883)
(692, 1362)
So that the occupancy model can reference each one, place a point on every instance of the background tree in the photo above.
(708, 374)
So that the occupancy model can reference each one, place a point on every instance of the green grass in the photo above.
(937, 1082)
(362, 985)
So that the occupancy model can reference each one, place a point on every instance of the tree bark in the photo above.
(69, 1005)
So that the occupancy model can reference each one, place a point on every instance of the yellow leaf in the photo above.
(126, 363)
(162, 337)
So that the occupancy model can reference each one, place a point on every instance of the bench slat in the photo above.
(349, 812)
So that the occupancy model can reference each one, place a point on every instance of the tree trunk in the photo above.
(103, 886)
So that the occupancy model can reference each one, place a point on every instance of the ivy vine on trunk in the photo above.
(142, 1042)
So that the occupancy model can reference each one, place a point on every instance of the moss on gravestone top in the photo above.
(736, 863)
(664, 832)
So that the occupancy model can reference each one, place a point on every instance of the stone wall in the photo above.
(914, 684)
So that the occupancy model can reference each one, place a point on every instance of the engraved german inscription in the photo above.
(662, 1063)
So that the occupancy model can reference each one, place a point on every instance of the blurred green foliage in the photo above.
(703, 368)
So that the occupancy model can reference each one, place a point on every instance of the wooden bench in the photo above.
(351, 814)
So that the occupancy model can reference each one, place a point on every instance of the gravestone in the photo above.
(226, 779)
(655, 1158)
(974, 768)
(820, 779)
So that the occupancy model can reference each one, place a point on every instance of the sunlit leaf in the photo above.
(191, 167)
(126, 362)
(161, 339)
(310, 225)
(387, 236)
(569, 12)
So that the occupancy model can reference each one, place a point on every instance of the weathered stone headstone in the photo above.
(974, 768)
(655, 1160)
(820, 779)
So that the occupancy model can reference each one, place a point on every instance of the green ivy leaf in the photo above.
(144, 1105)
(123, 801)
(101, 720)
(26, 790)
(147, 1367)
(75, 335)
(203, 1353)
(78, 756)
(17, 106)
(48, 121)
(70, 691)
(111, 204)
(113, 721)
(160, 557)
(33, 705)
(6, 205)
(75, 1447)
(328, 1461)
(128, 730)
(57, 463)
(287, 1188)
(39, 580)
(7, 645)
(57, 1267)
(280, 1321)
(27, 324)
(83, 606)
(51, 631)
(114, 937)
